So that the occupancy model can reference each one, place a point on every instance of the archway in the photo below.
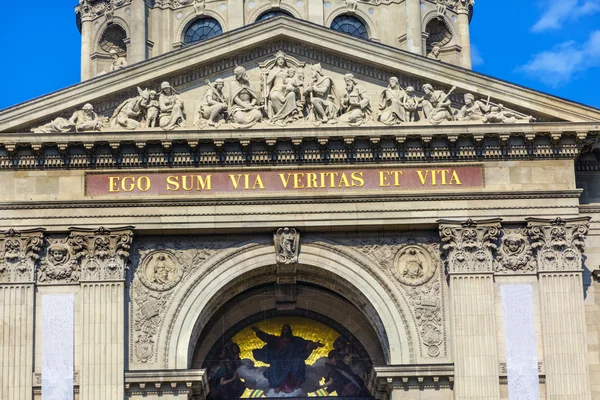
(240, 269)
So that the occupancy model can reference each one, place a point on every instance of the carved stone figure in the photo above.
(414, 266)
(391, 103)
(473, 110)
(436, 105)
(515, 253)
(321, 95)
(434, 54)
(82, 120)
(470, 246)
(411, 104)
(355, 105)
(213, 106)
(130, 113)
(160, 271)
(118, 61)
(500, 115)
(287, 245)
(245, 111)
(283, 92)
(558, 243)
(60, 264)
(171, 108)
(19, 253)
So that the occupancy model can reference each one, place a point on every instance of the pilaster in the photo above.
(559, 251)
(469, 249)
(86, 48)
(137, 49)
(413, 27)
(19, 252)
(464, 36)
(103, 255)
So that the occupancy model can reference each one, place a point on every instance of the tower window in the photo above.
(113, 38)
(350, 25)
(273, 14)
(439, 34)
(202, 29)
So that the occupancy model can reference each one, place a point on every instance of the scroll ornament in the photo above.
(19, 254)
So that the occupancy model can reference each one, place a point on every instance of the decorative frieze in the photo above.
(470, 247)
(88, 10)
(558, 243)
(19, 254)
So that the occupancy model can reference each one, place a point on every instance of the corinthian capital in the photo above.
(102, 253)
(19, 253)
(470, 246)
(558, 243)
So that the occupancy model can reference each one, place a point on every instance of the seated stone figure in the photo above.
(391, 103)
(436, 105)
(213, 105)
(82, 120)
(473, 110)
(245, 111)
(321, 97)
(130, 113)
(171, 108)
(355, 105)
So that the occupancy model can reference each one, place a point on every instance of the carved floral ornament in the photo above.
(484, 247)
(89, 10)
(19, 253)
(292, 93)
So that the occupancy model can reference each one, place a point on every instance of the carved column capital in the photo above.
(515, 254)
(19, 253)
(102, 253)
(470, 246)
(558, 243)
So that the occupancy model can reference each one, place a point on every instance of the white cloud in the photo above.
(476, 58)
(559, 11)
(557, 65)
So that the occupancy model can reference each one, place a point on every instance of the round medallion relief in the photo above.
(160, 271)
(413, 266)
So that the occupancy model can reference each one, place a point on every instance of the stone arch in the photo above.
(186, 21)
(175, 341)
(361, 15)
(117, 21)
(253, 16)
(433, 14)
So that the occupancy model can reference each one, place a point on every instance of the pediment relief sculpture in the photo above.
(291, 93)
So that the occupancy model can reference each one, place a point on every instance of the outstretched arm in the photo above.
(265, 337)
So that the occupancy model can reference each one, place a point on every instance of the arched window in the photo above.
(272, 14)
(439, 34)
(350, 25)
(113, 38)
(202, 29)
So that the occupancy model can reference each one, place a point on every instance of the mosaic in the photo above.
(288, 357)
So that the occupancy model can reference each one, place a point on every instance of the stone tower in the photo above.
(113, 31)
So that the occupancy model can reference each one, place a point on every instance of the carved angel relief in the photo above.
(160, 271)
(60, 264)
(414, 266)
(287, 245)
(19, 253)
(515, 253)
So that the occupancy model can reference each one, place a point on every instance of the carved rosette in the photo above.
(19, 253)
(60, 265)
(558, 243)
(515, 254)
(102, 253)
(469, 247)
(287, 245)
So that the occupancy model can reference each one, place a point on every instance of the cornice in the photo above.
(295, 146)
(300, 33)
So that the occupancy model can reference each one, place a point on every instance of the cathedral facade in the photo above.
(277, 198)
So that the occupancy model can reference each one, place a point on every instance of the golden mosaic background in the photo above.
(304, 327)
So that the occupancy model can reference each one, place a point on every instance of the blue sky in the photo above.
(547, 45)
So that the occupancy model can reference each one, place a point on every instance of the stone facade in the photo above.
(450, 239)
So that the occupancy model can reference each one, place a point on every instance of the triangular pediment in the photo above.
(305, 45)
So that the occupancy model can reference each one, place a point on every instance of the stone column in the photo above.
(19, 252)
(136, 51)
(86, 46)
(414, 42)
(469, 250)
(103, 256)
(559, 252)
(464, 34)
